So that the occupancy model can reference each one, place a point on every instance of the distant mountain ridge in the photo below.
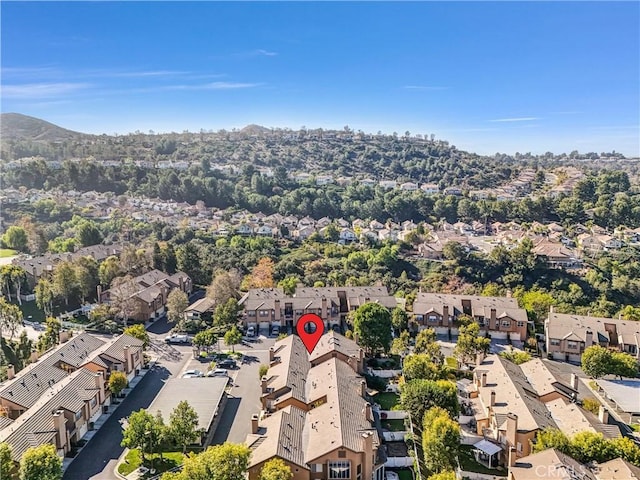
(15, 126)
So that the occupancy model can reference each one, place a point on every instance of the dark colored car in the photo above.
(226, 363)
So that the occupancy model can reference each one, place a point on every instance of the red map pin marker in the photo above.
(310, 328)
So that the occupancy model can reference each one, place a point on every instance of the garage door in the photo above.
(264, 326)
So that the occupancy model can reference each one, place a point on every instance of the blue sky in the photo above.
(488, 77)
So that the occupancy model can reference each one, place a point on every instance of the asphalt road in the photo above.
(99, 457)
(244, 399)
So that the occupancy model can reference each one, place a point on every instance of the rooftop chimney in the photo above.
(574, 381)
(512, 456)
(368, 413)
(263, 384)
(11, 372)
(272, 354)
(363, 388)
(588, 339)
(603, 414)
(254, 423)
(493, 398)
(483, 379)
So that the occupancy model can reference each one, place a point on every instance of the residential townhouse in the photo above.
(501, 317)
(36, 267)
(267, 307)
(556, 255)
(57, 398)
(553, 464)
(567, 335)
(150, 292)
(318, 421)
(430, 188)
(512, 403)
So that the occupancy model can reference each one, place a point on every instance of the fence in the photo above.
(394, 436)
(399, 462)
(393, 414)
(385, 373)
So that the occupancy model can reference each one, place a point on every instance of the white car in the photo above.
(391, 475)
(176, 338)
(192, 374)
(218, 372)
(251, 332)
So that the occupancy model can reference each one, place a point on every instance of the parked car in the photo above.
(275, 331)
(192, 374)
(389, 475)
(227, 363)
(251, 331)
(176, 338)
(218, 372)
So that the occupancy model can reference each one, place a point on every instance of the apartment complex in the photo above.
(264, 308)
(316, 418)
(567, 336)
(512, 403)
(149, 291)
(501, 317)
(57, 398)
(553, 464)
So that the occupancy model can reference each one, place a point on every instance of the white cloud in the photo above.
(266, 53)
(41, 90)
(515, 119)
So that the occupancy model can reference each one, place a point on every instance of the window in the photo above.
(251, 313)
(555, 342)
(342, 454)
(340, 469)
(93, 402)
(359, 472)
(264, 313)
(317, 467)
(519, 447)
(572, 345)
(419, 318)
(433, 318)
(506, 323)
(78, 415)
(521, 324)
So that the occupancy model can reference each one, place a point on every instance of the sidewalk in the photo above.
(105, 416)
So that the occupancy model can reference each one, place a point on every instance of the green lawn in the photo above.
(30, 308)
(469, 464)
(133, 460)
(386, 400)
(7, 252)
(405, 474)
(395, 425)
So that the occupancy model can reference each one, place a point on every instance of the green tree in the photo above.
(400, 345)
(275, 469)
(177, 303)
(289, 285)
(44, 296)
(138, 331)
(426, 344)
(420, 365)
(64, 281)
(205, 339)
(590, 446)
(7, 467)
(88, 233)
(233, 337)
(225, 285)
(470, 343)
(86, 271)
(226, 313)
(108, 270)
(262, 370)
(596, 361)
(629, 312)
(447, 475)
(183, 425)
(117, 383)
(16, 238)
(142, 432)
(440, 440)
(623, 365)
(399, 319)
(228, 461)
(51, 334)
(515, 356)
(417, 396)
(372, 325)
(626, 448)
(551, 438)
(10, 317)
(41, 463)
(537, 304)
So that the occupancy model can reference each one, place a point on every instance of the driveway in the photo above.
(99, 457)
(244, 398)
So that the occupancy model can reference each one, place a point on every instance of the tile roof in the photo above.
(560, 325)
(480, 306)
(549, 464)
(617, 469)
(30, 383)
(36, 425)
(332, 341)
